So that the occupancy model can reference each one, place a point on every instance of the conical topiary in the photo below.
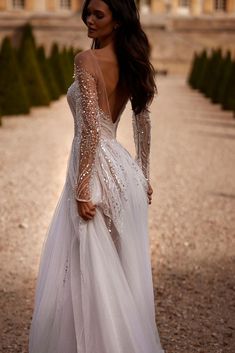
(205, 75)
(214, 65)
(223, 90)
(47, 74)
(13, 96)
(229, 97)
(193, 70)
(67, 67)
(224, 61)
(57, 68)
(71, 54)
(27, 33)
(201, 66)
(34, 83)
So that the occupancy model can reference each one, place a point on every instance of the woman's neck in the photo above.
(106, 43)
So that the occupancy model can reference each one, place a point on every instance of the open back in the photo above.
(112, 96)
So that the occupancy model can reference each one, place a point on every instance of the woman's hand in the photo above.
(86, 209)
(149, 193)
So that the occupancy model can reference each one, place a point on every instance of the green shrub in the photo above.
(34, 83)
(56, 64)
(201, 67)
(218, 77)
(223, 88)
(71, 54)
(228, 102)
(47, 74)
(193, 71)
(205, 73)
(212, 71)
(67, 67)
(13, 96)
(27, 33)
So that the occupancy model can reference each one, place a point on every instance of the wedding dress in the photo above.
(94, 291)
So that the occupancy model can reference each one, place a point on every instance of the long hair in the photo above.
(133, 53)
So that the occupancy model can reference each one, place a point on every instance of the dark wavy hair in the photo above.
(133, 53)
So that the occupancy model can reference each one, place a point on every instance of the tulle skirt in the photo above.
(94, 291)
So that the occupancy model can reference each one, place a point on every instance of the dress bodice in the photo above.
(108, 128)
(94, 123)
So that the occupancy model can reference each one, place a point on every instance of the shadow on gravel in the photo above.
(227, 124)
(195, 310)
(215, 134)
(16, 312)
(223, 194)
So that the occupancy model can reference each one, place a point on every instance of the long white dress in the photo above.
(94, 291)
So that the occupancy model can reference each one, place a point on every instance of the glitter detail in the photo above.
(90, 129)
(142, 136)
(97, 169)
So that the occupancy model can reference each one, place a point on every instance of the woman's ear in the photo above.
(116, 26)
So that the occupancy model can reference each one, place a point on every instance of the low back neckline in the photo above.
(106, 94)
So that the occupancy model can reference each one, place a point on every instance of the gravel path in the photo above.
(192, 218)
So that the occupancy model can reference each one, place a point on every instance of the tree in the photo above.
(13, 95)
(57, 68)
(67, 67)
(201, 67)
(218, 77)
(229, 96)
(27, 33)
(224, 84)
(205, 73)
(214, 66)
(48, 76)
(34, 83)
(193, 71)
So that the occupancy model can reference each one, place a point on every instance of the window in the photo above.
(65, 4)
(220, 5)
(184, 3)
(18, 4)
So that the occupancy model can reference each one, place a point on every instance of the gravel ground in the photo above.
(192, 218)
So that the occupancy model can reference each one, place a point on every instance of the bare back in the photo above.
(115, 96)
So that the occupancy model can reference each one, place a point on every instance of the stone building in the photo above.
(176, 28)
(180, 7)
(188, 7)
(41, 5)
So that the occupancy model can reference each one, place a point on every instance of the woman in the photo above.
(94, 289)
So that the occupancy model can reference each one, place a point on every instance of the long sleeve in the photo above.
(142, 136)
(87, 108)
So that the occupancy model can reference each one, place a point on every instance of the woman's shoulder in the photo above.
(82, 57)
(83, 60)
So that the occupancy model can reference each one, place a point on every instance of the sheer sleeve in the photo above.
(87, 108)
(142, 136)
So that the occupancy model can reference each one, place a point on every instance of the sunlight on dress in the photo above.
(94, 290)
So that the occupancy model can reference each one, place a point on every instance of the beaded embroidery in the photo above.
(87, 107)
(90, 130)
(142, 136)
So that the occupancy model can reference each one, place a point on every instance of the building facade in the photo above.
(188, 7)
(41, 5)
(174, 7)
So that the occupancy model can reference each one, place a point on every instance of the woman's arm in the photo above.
(142, 136)
(87, 108)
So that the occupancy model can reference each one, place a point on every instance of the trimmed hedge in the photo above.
(58, 69)
(29, 78)
(13, 95)
(46, 71)
(214, 76)
(34, 82)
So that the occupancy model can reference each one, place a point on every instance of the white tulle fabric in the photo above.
(94, 291)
